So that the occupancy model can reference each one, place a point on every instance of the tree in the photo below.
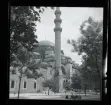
(76, 82)
(87, 46)
(87, 76)
(22, 27)
(33, 69)
(51, 84)
(26, 68)
(67, 85)
(75, 65)
(21, 60)
(23, 39)
(85, 88)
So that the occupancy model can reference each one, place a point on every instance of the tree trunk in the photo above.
(48, 91)
(19, 86)
(96, 92)
(100, 75)
(19, 83)
(85, 92)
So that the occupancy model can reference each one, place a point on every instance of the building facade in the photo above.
(31, 85)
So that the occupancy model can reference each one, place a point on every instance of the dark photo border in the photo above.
(75, 3)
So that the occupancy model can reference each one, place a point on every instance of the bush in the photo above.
(76, 97)
(38, 91)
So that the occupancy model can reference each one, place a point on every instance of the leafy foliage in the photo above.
(26, 59)
(23, 39)
(75, 65)
(89, 45)
(22, 27)
(67, 85)
(76, 82)
(51, 84)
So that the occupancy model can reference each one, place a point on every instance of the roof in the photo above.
(50, 56)
(36, 53)
(49, 59)
(44, 63)
(46, 43)
(49, 48)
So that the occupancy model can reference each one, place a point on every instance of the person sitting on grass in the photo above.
(76, 97)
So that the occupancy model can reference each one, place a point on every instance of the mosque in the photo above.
(47, 69)
(52, 61)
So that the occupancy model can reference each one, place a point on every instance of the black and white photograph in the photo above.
(56, 53)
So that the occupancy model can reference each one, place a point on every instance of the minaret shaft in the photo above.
(57, 31)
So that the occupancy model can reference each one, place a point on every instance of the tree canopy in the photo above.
(23, 38)
(23, 26)
(89, 45)
(76, 82)
(67, 85)
(51, 84)
(27, 65)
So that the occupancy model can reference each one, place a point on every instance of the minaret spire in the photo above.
(57, 31)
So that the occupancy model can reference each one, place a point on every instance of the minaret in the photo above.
(57, 31)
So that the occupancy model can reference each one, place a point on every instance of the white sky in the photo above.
(72, 18)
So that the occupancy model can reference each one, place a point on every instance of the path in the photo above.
(53, 96)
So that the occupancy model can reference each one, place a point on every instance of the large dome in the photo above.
(46, 43)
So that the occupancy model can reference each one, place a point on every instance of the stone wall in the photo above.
(29, 85)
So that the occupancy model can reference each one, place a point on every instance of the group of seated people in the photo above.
(75, 97)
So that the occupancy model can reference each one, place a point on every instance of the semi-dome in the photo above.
(49, 48)
(46, 43)
(49, 59)
(36, 53)
(50, 56)
(44, 64)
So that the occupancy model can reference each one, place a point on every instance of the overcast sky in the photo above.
(72, 18)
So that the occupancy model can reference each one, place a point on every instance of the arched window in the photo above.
(34, 85)
(63, 70)
(12, 83)
(25, 84)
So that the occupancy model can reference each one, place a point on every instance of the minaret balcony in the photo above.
(57, 29)
(57, 20)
